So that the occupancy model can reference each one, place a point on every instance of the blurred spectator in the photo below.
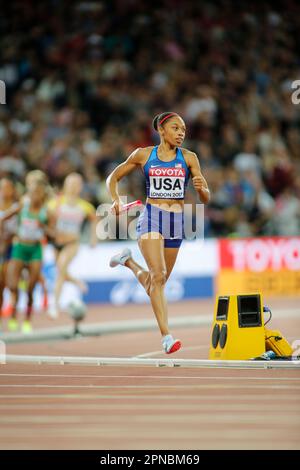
(286, 218)
(84, 80)
(247, 160)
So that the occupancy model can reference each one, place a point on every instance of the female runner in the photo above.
(167, 168)
(70, 212)
(9, 228)
(33, 223)
(32, 177)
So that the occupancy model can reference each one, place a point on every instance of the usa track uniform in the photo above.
(164, 180)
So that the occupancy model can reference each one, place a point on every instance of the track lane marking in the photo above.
(182, 387)
(187, 348)
(149, 377)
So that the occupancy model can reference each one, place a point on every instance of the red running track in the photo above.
(112, 407)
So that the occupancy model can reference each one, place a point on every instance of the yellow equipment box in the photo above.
(238, 331)
(276, 342)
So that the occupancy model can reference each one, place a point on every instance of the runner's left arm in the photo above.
(198, 179)
(49, 226)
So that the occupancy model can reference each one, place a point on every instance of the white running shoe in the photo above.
(52, 312)
(170, 345)
(120, 258)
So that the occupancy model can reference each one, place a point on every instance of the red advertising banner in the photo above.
(270, 265)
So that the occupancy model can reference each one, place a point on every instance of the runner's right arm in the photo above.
(134, 160)
(9, 213)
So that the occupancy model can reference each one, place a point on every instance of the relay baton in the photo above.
(128, 206)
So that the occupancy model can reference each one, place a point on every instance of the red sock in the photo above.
(7, 311)
(45, 301)
(28, 312)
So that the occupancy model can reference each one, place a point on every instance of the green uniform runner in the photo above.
(30, 230)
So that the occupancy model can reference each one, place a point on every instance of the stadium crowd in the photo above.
(83, 85)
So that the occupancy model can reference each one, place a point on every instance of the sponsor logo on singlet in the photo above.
(70, 219)
(166, 183)
(30, 229)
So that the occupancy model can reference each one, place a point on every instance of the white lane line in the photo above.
(149, 354)
(249, 407)
(204, 377)
(188, 348)
(155, 362)
(162, 418)
(284, 398)
(183, 387)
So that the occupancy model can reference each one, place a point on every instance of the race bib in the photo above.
(70, 220)
(30, 230)
(166, 183)
(68, 226)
